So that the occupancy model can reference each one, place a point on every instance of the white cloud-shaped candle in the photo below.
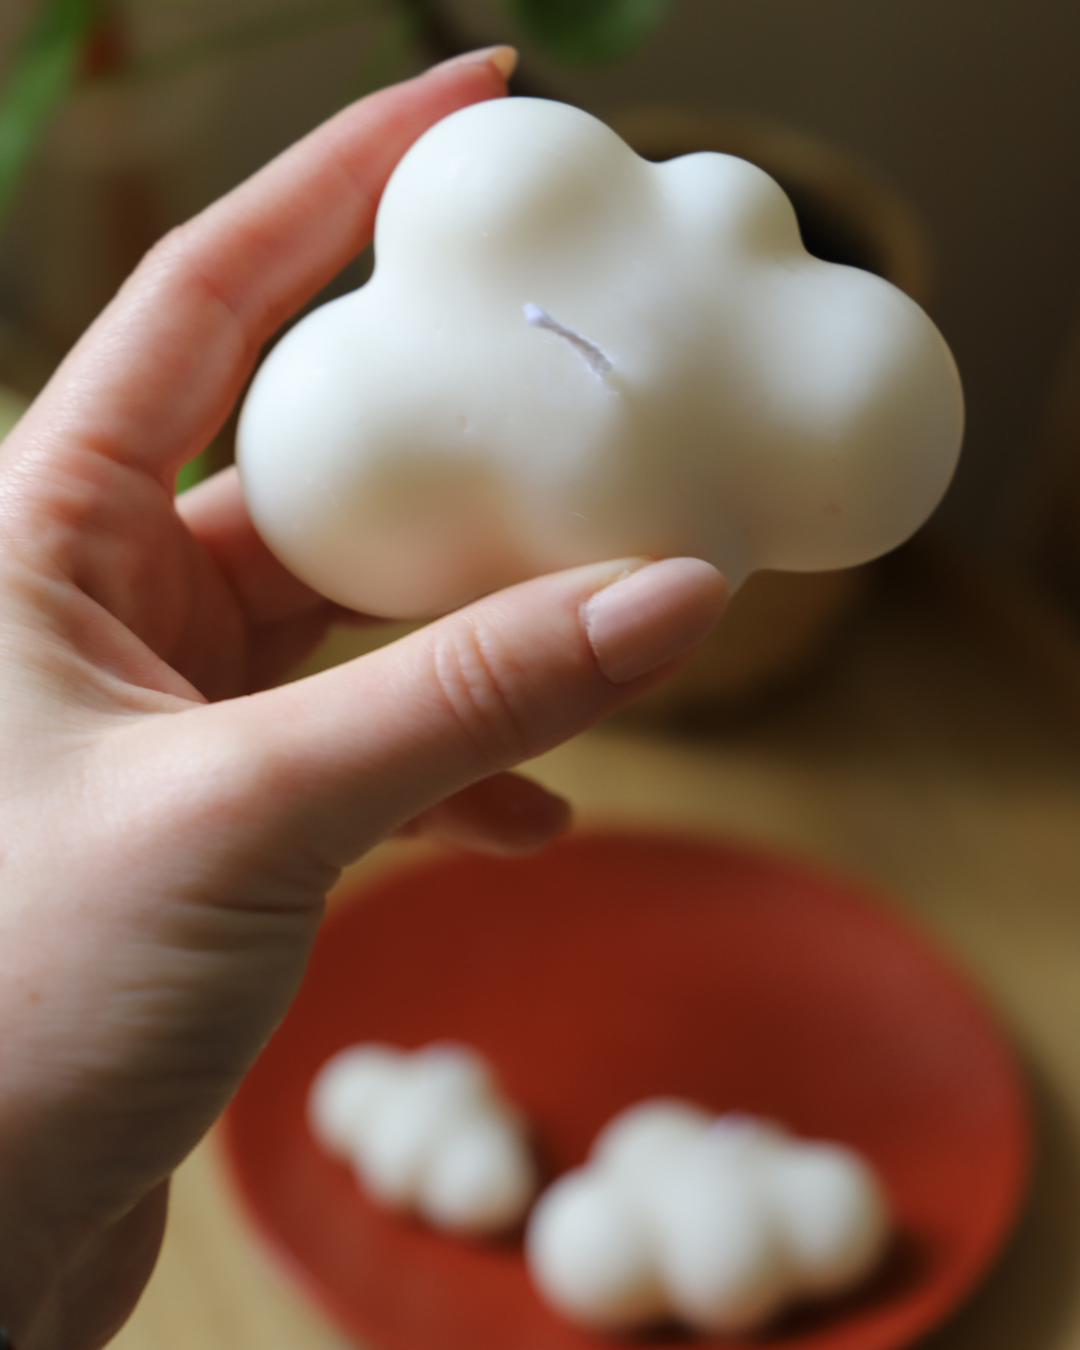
(717, 1222)
(568, 354)
(427, 1132)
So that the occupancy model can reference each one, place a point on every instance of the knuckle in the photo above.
(483, 686)
(178, 264)
(165, 260)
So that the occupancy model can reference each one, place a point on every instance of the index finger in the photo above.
(154, 377)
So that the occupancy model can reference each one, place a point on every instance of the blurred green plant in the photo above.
(53, 51)
(588, 30)
(66, 41)
(43, 71)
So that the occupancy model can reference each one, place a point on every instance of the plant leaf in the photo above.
(589, 30)
(195, 470)
(43, 71)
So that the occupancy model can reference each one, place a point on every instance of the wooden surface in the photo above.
(936, 757)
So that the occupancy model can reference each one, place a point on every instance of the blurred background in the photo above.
(915, 722)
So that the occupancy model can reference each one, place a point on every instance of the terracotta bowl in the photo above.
(615, 967)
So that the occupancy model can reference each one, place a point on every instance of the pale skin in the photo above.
(168, 832)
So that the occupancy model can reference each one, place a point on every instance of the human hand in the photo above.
(167, 833)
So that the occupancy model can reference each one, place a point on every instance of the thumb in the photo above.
(205, 840)
(322, 769)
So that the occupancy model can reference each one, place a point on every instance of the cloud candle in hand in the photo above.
(568, 354)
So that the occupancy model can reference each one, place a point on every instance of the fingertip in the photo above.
(531, 816)
(504, 59)
(504, 815)
(501, 59)
(650, 616)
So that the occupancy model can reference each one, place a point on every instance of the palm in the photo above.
(184, 609)
(189, 581)
(192, 581)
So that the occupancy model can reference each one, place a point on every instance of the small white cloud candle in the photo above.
(428, 1132)
(720, 1223)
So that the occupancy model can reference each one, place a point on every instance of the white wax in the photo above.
(832, 1213)
(724, 1264)
(645, 1136)
(568, 354)
(428, 1132)
(481, 1178)
(591, 1255)
(345, 1091)
(718, 1222)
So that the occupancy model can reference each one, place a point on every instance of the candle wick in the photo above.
(594, 357)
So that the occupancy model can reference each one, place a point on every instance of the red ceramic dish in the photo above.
(615, 967)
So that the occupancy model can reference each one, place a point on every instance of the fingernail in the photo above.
(649, 617)
(504, 59)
